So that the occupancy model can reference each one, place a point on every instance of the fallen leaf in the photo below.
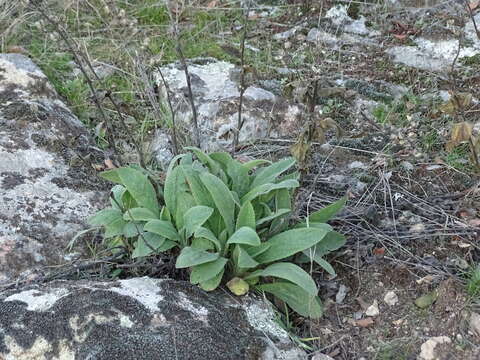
(212, 4)
(400, 36)
(426, 279)
(238, 286)
(379, 251)
(365, 322)
(456, 102)
(426, 300)
(17, 50)
(300, 150)
(461, 132)
(109, 164)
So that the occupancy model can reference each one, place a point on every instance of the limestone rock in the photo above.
(138, 318)
(215, 87)
(428, 351)
(46, 191)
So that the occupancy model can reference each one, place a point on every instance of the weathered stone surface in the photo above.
(436, 52)
(215, 87)
(139, 318)
(46, 191)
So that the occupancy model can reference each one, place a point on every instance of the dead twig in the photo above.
(240, 121)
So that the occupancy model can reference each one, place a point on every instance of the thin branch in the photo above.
(75, 52)
(240, 121)
(172, 111)
(181, 56)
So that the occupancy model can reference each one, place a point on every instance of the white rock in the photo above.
(342, 292)
(321, 357)
(390, 298)
(427, 350)
(475, 323)
(373, 310)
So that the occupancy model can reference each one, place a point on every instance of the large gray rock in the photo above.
(46, 191)
(436, 52)
(215, 87)
(139, 318)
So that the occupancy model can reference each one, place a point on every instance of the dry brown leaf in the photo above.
(456, 102)
(400, 36)
(461, 132)
(109, 164)
(300, 149)
(212, 4)
(15, 49)
(365, 322)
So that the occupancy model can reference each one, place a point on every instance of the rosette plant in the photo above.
(230, 222)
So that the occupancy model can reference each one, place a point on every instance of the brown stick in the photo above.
(240, 121)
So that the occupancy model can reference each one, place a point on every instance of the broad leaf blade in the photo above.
(105, 217)
(139, 214)
(246, 216)
(196, 217)
(325, 214)
(140, 188)
(244, 261)
(207, 271)
(205, 233)
(223, 199)
(191, 257)
(266, 188)
(162, 228)
(279, 213)
(292, 273)
(244, 235)
(297, 298)
(270, 173)
(213, 283)
(289, 243)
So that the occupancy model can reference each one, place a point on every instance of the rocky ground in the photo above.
(394, 77)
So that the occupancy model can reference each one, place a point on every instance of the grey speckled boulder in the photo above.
(46, 192)
(215, 87)
(139, 318)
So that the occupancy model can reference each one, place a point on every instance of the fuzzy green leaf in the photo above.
(298, 299)
(213, 283)
(270, 173)
(274, 216)
(223, 199)
(207, 271)
(191, 257)
(266, 188)
(244, 261)
(244, 235)
(290, 272)
(105, 217)
(137, 185)
(162, 228)
(196, 217)
(205, 233)
(139, 214)
(290, 242)
(246, 216)
(325, 214)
